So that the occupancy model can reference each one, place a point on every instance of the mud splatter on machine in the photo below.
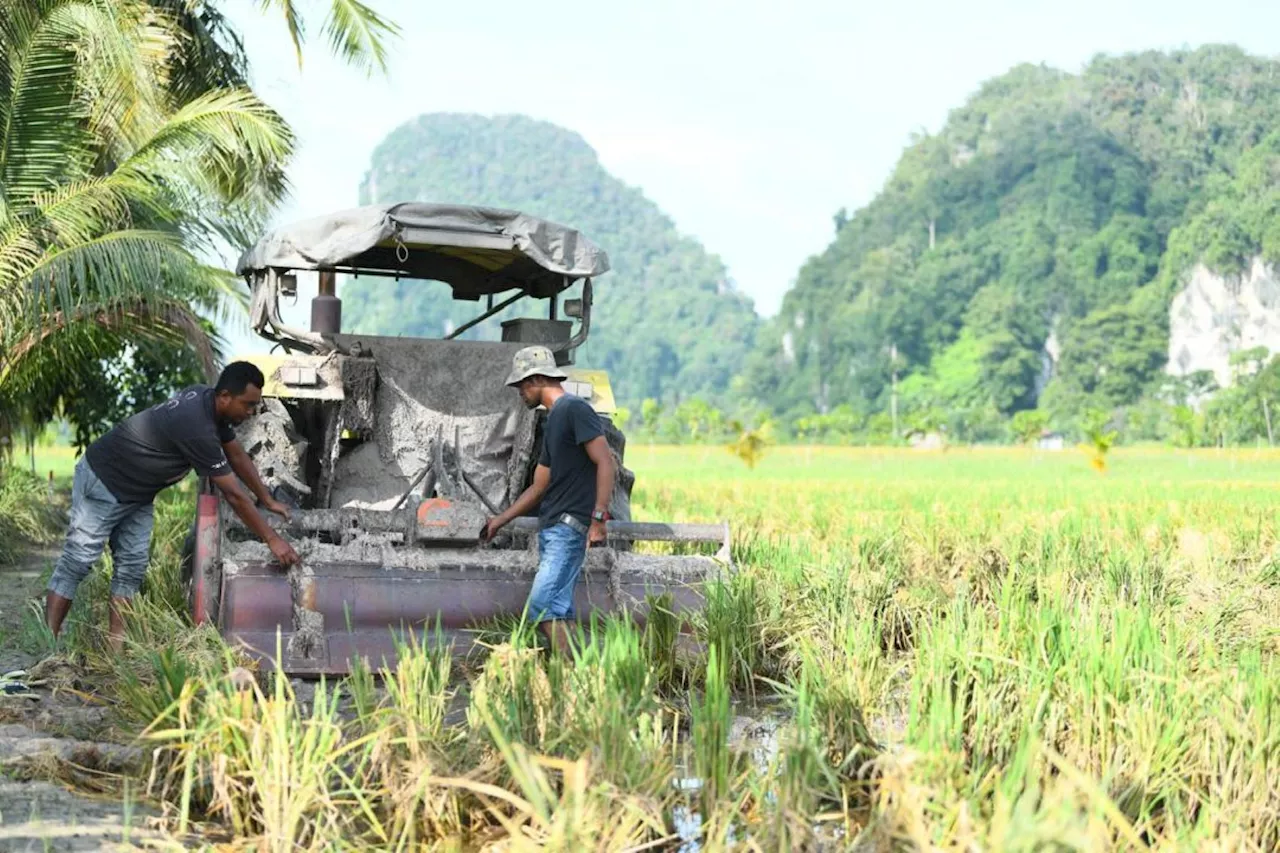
(394, 451)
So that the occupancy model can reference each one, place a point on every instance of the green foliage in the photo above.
(730, 621)
(1028, 424)
(621, 418)
(712, 717)
(1249, 410)
(667, 323)
(115, 174)
(750, 442)
(839, 426)
(1186, 427)
(95, 394)
(1098, 438)
(650, 412)
(155, 699)
(1026, 255)
(27, 513)
(1111, 355)
(355, 32)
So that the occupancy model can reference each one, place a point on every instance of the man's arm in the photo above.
(528, 499)
(248, 513)
(248, 474)
(598, 449)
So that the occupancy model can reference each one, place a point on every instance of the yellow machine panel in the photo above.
(592, 386)
(299, 376)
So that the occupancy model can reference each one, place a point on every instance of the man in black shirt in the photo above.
(119, 476)
(571, 488)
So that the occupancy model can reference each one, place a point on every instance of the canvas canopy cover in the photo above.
(477, 251)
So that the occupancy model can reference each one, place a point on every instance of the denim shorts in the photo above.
(99, 520)
(562, 550)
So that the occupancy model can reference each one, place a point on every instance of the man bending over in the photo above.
(573, 482)
(119, 476)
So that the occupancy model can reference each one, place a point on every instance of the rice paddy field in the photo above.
(975, 649)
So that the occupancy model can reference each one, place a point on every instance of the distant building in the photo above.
(920, 440)
(1049, 440)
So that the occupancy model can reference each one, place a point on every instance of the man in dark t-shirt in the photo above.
(119, 476)
(571, 488)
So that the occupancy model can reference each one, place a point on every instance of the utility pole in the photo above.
(1266, 410)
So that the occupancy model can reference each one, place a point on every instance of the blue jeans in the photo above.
(562, 551)
(97, 519)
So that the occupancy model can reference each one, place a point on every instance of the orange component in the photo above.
(434, 512)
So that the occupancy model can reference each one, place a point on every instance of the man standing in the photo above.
(571, 487)
(119, 476)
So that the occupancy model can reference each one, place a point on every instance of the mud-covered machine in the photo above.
(394, 451)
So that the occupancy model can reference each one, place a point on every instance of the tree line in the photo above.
(1012, 278)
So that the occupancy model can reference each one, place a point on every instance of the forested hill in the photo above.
(1027, 253)
(667, 322)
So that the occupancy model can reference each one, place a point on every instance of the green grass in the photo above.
(58, 459)
(29, 514)
(976, 649)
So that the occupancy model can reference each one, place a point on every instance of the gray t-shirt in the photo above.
(157, 447)
(571, 423)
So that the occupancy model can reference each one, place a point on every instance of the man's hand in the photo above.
(490, 530)
(596, 534)
(273, 505)
(283, 552)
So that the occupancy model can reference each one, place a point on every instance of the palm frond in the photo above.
(211, 54)
(358, 34)
(77, 212)
(292, 20)
(167, 321)
(119, 163)
(124, 60)
(227, 142)
(20, 251)
(76, 372)
(44, 139)
(122, 265)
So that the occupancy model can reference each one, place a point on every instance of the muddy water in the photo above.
(756, 731)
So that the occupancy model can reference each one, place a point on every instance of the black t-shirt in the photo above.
(570, 424)
(157, 447)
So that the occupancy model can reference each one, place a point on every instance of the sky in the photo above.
(749, 123)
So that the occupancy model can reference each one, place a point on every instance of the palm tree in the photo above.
(213, 55)
(354, 31)
(113, 181)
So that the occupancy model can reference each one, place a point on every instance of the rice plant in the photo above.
(28, 515)
(989, 649)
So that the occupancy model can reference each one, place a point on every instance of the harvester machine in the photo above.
(393, 451)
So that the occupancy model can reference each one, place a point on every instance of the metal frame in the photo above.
(269, 325)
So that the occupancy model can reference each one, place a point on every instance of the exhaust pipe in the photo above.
(326, 307)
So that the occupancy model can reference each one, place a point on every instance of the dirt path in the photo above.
(55, 735)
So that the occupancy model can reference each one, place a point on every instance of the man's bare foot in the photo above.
(56, 609)
(557, 633)
(115, 632)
